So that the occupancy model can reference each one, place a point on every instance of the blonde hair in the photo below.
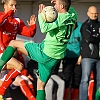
(5, 1)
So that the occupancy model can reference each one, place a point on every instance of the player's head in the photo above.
(61, 5)
(92, 13)
(9, 5)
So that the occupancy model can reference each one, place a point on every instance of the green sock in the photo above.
(7, 54)
(97, 96)
(40, 95)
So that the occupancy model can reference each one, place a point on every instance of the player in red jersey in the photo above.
(23, 80)
(10, 26)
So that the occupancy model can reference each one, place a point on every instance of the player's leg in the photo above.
(1, 97)
(16, 67)
(45, 66)
(29, 83)
(40, 90)
(19, 81)
(1, 82)
(9, 52)
(7, 96)
(45, 71)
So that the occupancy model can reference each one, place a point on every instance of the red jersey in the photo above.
(11, 26)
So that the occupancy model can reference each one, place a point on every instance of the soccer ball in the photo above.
(49, 14)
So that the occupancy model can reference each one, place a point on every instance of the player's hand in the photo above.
(10, 13)
(30, 77)
(32, 20)
(41, 6)
(53, 1)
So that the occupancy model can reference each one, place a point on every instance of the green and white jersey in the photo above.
(58, 33)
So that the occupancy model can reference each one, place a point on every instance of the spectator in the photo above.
(60, 85)
(10, 26)
(20, 80)
(90, 52)
(71, 64)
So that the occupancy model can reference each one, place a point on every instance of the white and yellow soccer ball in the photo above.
(49, 14)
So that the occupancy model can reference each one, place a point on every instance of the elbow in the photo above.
(33, 33)
(43, 30)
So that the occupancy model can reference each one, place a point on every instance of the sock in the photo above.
(8, 80)
(74, 94)
(32, 89)
(97, 96)
(40, 95)
(7, 54)
(66, 94)
(26, 91)
(90, 90)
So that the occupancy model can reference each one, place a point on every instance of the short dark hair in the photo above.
(66, 3)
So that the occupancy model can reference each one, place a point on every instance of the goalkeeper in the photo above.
(52, 48)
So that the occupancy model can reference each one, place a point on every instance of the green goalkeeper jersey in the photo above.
(57, 33)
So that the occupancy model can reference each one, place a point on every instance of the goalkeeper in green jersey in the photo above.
(52, 48)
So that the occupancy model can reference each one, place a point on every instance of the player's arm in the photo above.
(4, 16)
(87, 34)
(60, 22)
(44, 26)
(28, 31)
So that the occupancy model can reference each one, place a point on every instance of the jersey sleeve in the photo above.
(25, 30)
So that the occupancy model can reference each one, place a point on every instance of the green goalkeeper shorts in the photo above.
(46, 64)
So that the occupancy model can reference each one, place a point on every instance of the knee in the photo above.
(11, 43)
(17, 81)
(40, 85)
(20, 66)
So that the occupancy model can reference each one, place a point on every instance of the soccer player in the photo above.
(10, 26)
(52, 48)
(22, 80)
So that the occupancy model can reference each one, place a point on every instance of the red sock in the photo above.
(74, 94)
(8, 80)
(90, 90)
(32, 89)
(26, 91)
(66, 94)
